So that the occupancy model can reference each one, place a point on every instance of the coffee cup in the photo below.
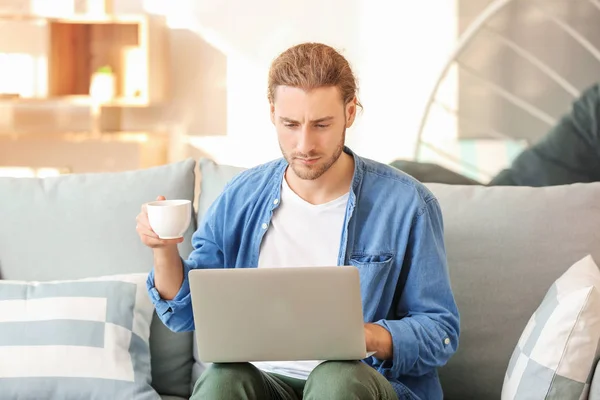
(169, 219)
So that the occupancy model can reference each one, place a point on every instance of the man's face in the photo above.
(311, 128)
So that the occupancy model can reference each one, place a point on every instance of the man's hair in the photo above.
(312, 65)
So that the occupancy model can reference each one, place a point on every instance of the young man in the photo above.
(321, 204)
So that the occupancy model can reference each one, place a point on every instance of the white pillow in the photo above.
(80, 339)
(557, 353)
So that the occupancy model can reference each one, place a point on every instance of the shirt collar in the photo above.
(355, 185)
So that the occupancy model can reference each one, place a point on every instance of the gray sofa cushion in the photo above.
(213, 178)
(77, 226)
(506, 246)
(595, 387)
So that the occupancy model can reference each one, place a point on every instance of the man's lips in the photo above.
(308, 161)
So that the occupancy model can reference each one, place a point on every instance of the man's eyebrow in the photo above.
(284, 119)
(315, 121)
(324, 119)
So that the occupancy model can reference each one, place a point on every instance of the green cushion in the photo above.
(83, 225)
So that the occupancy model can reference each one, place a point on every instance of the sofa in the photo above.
(74, 233)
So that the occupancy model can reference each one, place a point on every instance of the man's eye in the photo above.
(322, 126)
(289, 125)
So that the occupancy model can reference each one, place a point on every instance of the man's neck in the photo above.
(334, 183)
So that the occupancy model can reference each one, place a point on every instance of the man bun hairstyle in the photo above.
(313, 65)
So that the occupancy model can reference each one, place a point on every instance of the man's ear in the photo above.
(272, 112)
(351, 112)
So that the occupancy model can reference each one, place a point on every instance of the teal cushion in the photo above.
(84, 339)
(83, 225)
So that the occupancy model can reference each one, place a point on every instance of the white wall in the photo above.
(221, 51)
(395, 47)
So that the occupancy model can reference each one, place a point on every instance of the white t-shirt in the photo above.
(301, 234)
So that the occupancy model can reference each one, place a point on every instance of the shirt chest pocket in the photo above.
(374, 272)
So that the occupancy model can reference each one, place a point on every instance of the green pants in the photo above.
(331, 380)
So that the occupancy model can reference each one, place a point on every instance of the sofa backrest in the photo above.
(505, 246)
(83, 225)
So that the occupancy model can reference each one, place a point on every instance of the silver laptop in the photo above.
(278, 314)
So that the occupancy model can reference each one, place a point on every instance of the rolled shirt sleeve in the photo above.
(176, 313)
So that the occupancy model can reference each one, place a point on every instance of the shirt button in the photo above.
(276, 201)
(264, 225)
(447, 341)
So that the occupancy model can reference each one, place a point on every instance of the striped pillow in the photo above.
(79, 339)
(558, 351)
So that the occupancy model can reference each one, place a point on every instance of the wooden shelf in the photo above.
(79, 18)
(120, 136)
(76, 100)
(133, 47)
(81, 152)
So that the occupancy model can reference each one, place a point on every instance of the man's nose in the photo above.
(306, 140)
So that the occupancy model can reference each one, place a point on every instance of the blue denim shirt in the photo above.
(393, 223)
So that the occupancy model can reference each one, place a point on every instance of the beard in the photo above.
(312, 172)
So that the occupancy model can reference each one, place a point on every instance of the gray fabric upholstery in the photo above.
(595, 386)
(172, 359)
(213, 178)
(77, 226)
(432, 173)
(506, 246)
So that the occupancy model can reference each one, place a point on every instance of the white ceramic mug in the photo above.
(169, 219)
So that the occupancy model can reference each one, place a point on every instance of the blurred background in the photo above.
(112, 85)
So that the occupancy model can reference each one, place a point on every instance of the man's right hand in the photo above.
(148, 236)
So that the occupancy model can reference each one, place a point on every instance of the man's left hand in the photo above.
(379, 340)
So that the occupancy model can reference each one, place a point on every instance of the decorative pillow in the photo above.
(78, 339)
(91, 217)
(557, 353)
